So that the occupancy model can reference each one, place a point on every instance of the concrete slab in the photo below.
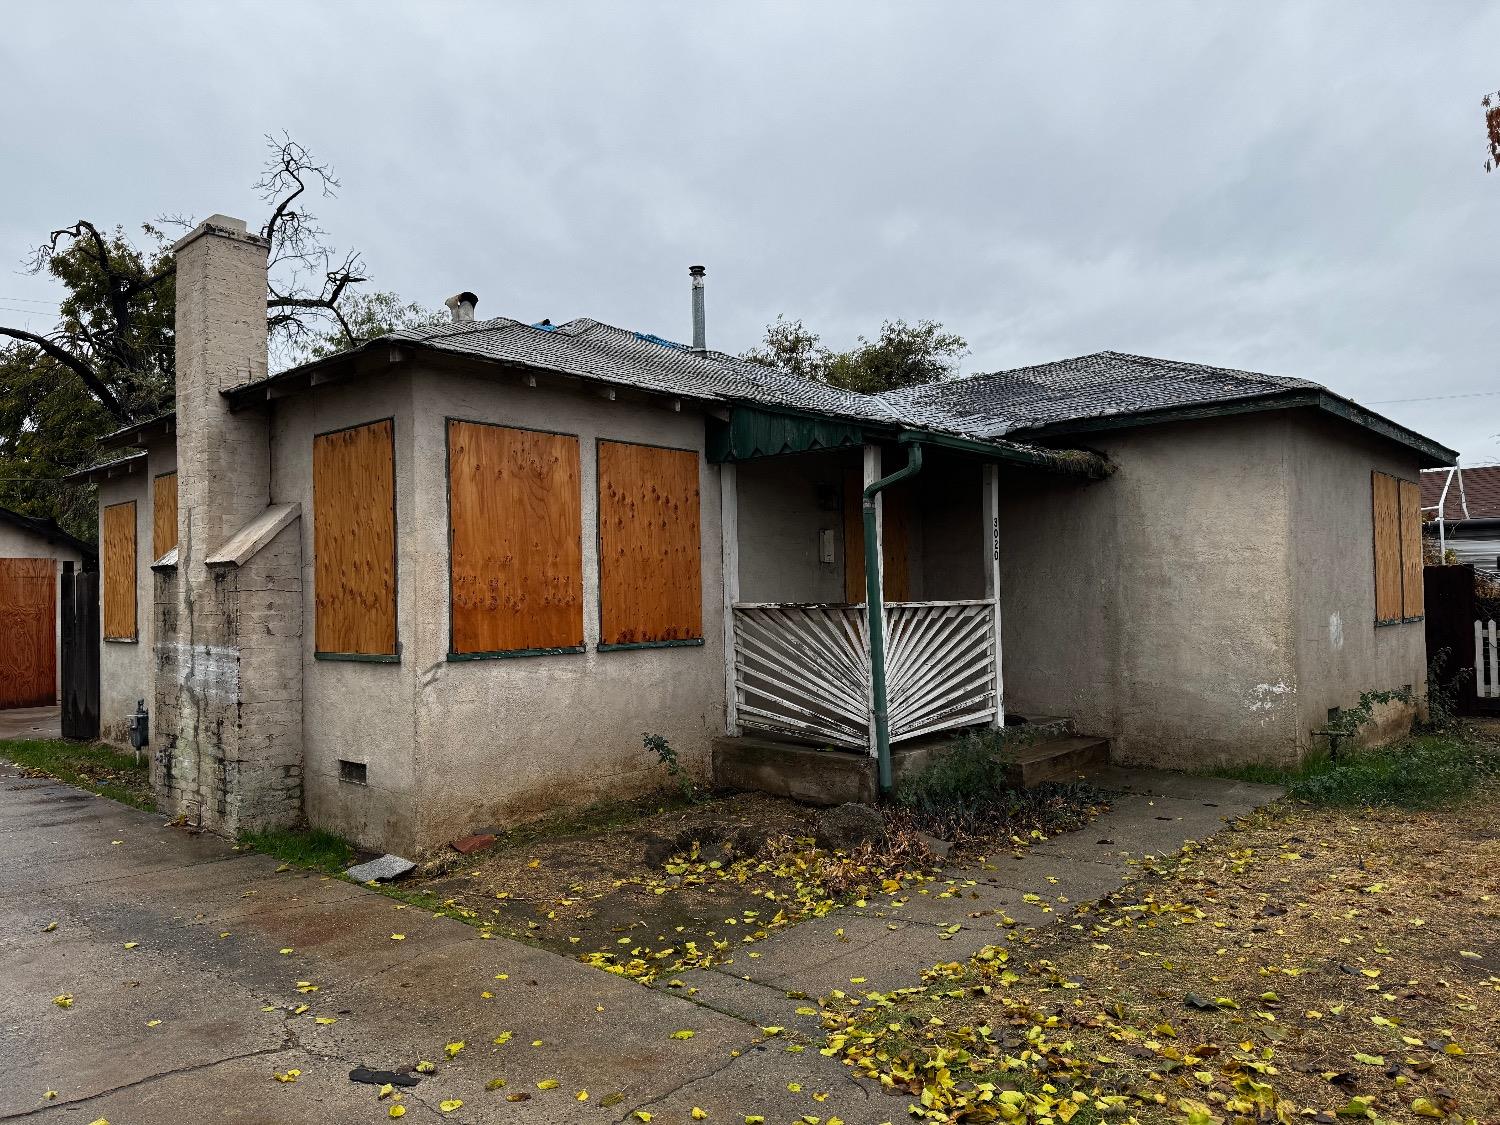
(1219, 791)
(758, 1004)
(31, 722)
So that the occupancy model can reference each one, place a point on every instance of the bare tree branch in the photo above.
(79, 367)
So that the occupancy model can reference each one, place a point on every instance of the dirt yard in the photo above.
(1331, 963)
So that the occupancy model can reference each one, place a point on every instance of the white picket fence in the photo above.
(1486, 660)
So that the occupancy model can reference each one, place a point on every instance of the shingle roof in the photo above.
(1087, 386)
(991, 408)
(594, 350)
(1480, 485)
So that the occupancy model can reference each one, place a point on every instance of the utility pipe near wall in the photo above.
(875, 607)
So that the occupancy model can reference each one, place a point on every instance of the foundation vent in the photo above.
(352, 772)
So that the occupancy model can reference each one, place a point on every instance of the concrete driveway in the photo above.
(188, 966)
(31, 722)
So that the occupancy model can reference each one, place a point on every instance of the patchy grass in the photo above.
(310, 848)
(1331, 963)
(89, 765)
(1422, 772)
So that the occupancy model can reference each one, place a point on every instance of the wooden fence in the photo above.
(1486, 660)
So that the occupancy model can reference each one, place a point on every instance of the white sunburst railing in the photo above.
(804, 669)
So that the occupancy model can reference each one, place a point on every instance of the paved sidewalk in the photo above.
(208, 926)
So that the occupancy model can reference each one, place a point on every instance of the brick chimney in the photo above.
(228, 617)
(223, 459)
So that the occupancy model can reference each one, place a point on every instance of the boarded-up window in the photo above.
(119, 572)
(516, 535)
(650, 579)
(163, 515)
(1411, 550)
(1397, 508)
(354, 540)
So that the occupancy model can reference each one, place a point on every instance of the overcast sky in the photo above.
(1292, 188)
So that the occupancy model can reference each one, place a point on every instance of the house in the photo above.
(450, 577)
(1469, 502)
(34, 553)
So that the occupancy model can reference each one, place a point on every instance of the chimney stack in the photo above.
(461, 305)
(700, 326)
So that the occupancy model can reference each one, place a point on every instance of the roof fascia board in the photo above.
(122, 466)
(163, 425)
(1068, 462)
(1434, 455)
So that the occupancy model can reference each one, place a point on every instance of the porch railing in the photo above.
(803, 670)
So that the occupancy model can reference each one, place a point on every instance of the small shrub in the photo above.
(1425, 771)
(657, 744)
(1443, 695)
(964, 793)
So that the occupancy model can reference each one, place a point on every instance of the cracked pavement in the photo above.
(195, 1019)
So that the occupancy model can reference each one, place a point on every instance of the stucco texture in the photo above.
(125, 674)
(449, 746)
(1183, 606)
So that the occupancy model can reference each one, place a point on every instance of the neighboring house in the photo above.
(1470, 502)
(450, 577)
(33, 553)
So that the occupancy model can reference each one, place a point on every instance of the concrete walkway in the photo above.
(220, 941)
(31, 722)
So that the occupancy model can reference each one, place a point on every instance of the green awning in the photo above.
(751, 433)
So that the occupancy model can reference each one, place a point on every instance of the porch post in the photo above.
(729, 523)
(991, 536)
(871, 475)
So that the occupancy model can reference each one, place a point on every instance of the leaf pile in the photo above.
(1303, 967)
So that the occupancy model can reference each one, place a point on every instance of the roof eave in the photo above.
(163, 425)
(1432, 454)
(108, 470)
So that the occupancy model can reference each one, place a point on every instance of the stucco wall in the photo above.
(948, 536)
(354, 710)
(1214, 598)
(783, 503)
(1341, 652)
(18, 543)
(502, 740)
(1156, 606)
(125, 666)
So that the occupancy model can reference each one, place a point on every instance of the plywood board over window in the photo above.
(1397, 511)
(1411, 551)
(163, 515)
(516, 534)
(354, 542)
(650, 572)
(119, 572)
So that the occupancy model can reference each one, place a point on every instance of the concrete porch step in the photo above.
(1055, 759)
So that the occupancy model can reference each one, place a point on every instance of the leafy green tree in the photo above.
(902, 355)
(109, 362)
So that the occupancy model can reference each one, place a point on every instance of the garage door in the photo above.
(28, 632)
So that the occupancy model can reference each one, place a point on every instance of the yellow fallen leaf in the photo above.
(49, 927)
(398, 937)
(642, 1115)
(398, 1111)
(450, 1104)
(385, 1091)
(153, 1023)
(325, 1020)
(285, 951)
(794, 1087)
(290, 1076)
(49, 1095)
(65, 1000)
(754, 1119)
(699, 1113)
(425, 1067)
(582, 1095)
(547, 1084)
(772, 1030)
(683, 1034)
(131, 944)
(452, 1049)
(1469, 953)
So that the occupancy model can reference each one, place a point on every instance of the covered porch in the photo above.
(809, 662)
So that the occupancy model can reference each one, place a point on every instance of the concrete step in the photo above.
(1055, 759)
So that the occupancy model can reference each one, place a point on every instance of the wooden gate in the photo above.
(28, 632)
(80, 653)
(1448, 593)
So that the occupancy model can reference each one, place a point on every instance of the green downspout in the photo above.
(875, 606)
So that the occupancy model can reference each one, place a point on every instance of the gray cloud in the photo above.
(1293, 188)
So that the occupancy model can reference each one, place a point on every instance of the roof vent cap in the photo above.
(461, 305)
